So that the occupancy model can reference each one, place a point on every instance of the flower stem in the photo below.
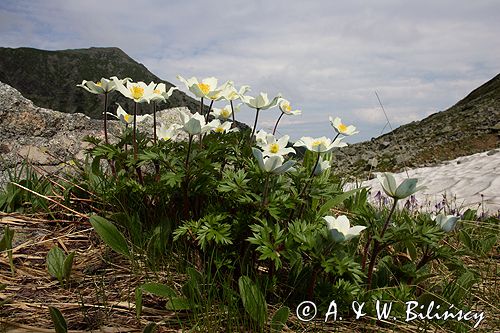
(255, 124)
(106, 117)
(154, 123)
(186, 164)
(276, 126)
(232, 114)
(376, 246)
(134, 130)
(209, 109)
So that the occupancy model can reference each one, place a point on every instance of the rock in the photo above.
(48, 138)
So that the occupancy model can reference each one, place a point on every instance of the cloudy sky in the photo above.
(327, 57)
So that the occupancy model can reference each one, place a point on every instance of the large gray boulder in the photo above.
(47, 138)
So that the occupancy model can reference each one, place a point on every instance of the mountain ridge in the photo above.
(49, 77)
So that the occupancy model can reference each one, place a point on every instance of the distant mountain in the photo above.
(49, 78)
(470, 126)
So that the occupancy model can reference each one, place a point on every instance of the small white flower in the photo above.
(340, 128)
(275, 147)
(321, 167)
(126, 118)
(169, 133)
(222, 127)
(260, 102)
(320, 145)
(272, 164)
(286, 108)
(195, 124)
(225, 112)
(446, 222)
(160, 93)
(140, 92)
(405, 189)
(262, 138)
(340, 228)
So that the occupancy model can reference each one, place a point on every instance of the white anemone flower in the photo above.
(225, 112)
(140, 92)
(262, 138)
(286, 108)
(405, 189)
(206, 88)
(447, 223)
(320, 145)
(277, 147)
(169, 133)
(321, 167)
(340, 128)
(230, 93)
(222, 127)
(261, 101)
(100, 87)
(160, 92)
(195, 124)
(272, 164)
(340, 228)
(126, 118)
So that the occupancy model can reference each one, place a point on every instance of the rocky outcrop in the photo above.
(469, 127)
(48, 138)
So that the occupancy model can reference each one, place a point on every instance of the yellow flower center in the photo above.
(317, 143)
(219, 130)
(157, 91)
(274, 148)
(205, 88)
(127, 118)
(98, 83)
(225, 113)
(137, 92)
(342, 127)
(287, 107)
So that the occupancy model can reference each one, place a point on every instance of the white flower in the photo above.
(262, 138)
(340, 128)
(169, 133)
(222, 127)
(286, 108)
(140, 92)
(195, 124)
(225, 112)
(207, 88)
(272, 164)
(275, 147)
(405, 189)
(230, 93)
(446, 222)
(320, 145)
(126, 118)
(340, 228)
(321, 167)
(99, 87)
(160, 93)
(260, 102)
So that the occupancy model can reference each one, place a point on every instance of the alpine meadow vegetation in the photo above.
(256, 226)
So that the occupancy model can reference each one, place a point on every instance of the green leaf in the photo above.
(488, 243)
(158, 289)
(55, 263)
(465, 238)
(58, 320)
(150, 328)
(279, 319)
(253, 300)
(337, 200)
(110, 235)
(178, 304)
(6, 244)
(68, 264)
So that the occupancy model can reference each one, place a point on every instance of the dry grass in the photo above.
(100, 295)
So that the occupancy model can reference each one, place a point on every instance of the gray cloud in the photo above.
(326, 57)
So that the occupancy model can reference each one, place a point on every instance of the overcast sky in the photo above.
(327, 57)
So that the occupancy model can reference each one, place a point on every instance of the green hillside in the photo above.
(49, 78)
